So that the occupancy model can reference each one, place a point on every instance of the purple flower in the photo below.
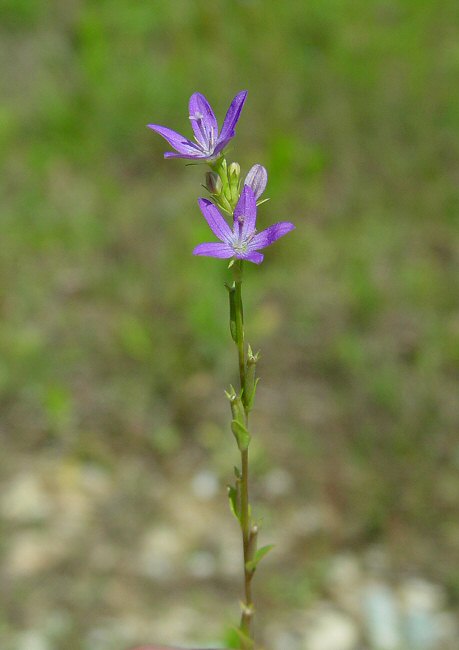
(209, 142)
(257, 179)
(242, 242)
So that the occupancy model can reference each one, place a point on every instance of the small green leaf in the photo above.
(246, 641)
(241, 434)
(251, 565)
(231, 638)
(233, 497)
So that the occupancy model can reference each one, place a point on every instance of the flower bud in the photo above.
(257, 179)
(234, 170)
(232, 302)
(234, 176)
(251, 380)
(237, 408)
(213, 183)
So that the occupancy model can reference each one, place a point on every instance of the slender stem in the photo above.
(247, 613)
(247, 616)
(239, 322)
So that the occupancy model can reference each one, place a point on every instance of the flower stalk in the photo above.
(245, 523)
(239, 318)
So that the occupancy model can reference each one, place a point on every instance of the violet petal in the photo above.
(192, 156)
(203, 121)
(221, 145)
(245, 213)
(255, 257)
(270, 235)
(232, 116)
(215, 220)
(257, 179)
(176, 140)
(214, 249)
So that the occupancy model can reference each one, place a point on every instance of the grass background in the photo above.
(114, 340)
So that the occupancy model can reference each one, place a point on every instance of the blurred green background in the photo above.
(114, 340)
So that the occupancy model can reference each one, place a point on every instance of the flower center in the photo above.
(207, 143)
(241, 242)
(240, 246)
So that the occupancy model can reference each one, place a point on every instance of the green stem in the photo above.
(247, 613)
(239, 322)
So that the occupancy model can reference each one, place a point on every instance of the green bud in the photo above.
(213, 183)
(252, 359)
(251, 380)
(232, 304)
(231, 393)
(237, 408)
(234, 170)
(223, 168)
(234, 175)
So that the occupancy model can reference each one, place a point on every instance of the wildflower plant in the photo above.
(238, 241)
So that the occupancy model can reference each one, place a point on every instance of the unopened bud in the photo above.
(231, 393)
(237, 408)
(252, 359)
(232, 303)
(234, 175)
(234, 170)
(251, 380)
(213, 183)
(257, 179)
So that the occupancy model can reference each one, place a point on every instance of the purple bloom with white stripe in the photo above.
(209, 141)
(243, 241)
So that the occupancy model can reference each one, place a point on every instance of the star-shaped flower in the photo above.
(209, 142)
(242, 242)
